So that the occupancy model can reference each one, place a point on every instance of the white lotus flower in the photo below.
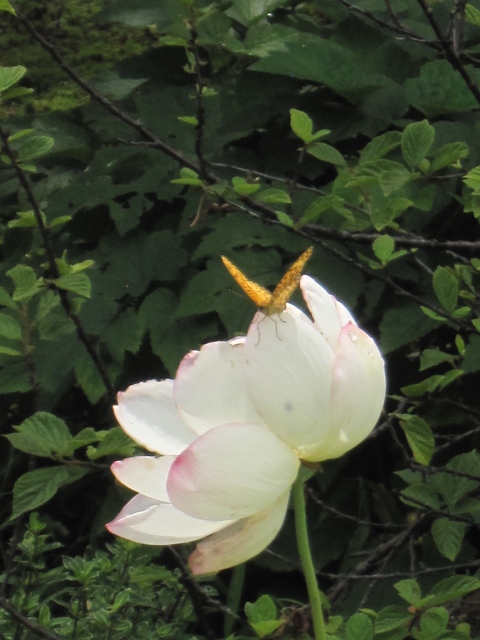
(235, 424)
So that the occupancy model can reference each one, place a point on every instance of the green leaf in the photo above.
(115, 442)
(445, 285)
(380, 146)
(452, 588)
(9, 352)
(6, 6)
(301, 125)
(285, 219)
(420, 438)
(10, 76)
(6, 300)
(359, 627)
(189, 120)
(42, 435)
(274, 196)
(188, 177)
(439, 89)
(36, 487)
(417, 140)
(448, 536)
(318, 206)
(125, 333)
(26, 283)
(244, 188)
(434, 357)
(471, 361)
(448, 155)
(383, 247)
(472, 180)
(420, 497)
(392, 617)
(326, 153)
(472, 15)
(89, 378)
(34, 147)
(76, 282)
(410, 591)
(401, 325)
(24, 219)
(9, 327)
(262, 615)
(425, 386)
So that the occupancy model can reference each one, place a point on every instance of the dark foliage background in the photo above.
(140, 141)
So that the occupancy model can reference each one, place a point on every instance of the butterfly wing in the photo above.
(289, 282)
(260, 296)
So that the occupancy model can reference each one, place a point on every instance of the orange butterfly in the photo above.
(269, 302)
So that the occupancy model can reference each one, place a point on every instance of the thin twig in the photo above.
(450, 54)
(155, 141)
(25, 622)
(62, 294)
(199, 86)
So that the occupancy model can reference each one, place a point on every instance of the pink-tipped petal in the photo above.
(145, 474)
(240, 541)
(148, 414)
(210, 387)
(358, 394)
(231, 472)
(288, 368)
(147, 521)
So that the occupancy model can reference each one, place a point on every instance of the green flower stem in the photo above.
(306, 559)
(234, 596)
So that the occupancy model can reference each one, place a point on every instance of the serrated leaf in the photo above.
(383, 247)
(115, 442)
(417, 140)
(452, 588)
(359, 627)
(409, 590)
(10, 76)
(326, 153)
(433, 357)
(301, 125)
(34, 147)
(244, 188)
(472, 180)
(425, 386)
(42, 435)
(78, 283)
(472, 15)
(448, 155)
(36, 487)
(274, 196)
(6, 6)
(446, 287)
(9, 351)
(26, 283)
(380, 146)
(9, 327)
(24, 219)
(6, 299)
(448, 536)
(392, 617)
(318, 206)
(89, 378)
(421, 497)
(419, 437)
(285, 219)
